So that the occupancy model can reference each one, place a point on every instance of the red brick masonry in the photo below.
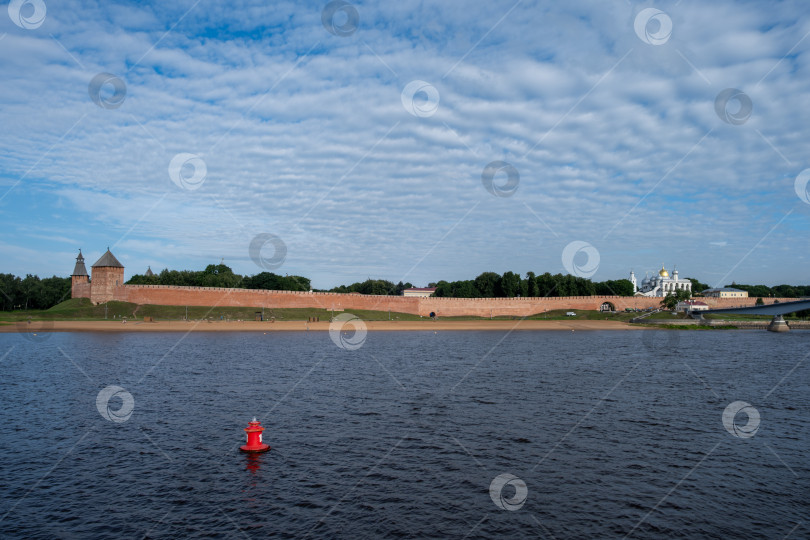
(446, 307)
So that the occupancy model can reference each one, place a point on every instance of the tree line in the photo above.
(220, 275)
(31, 292)
(486, 285)
(779, 291)
(374, 286)
(510, 284)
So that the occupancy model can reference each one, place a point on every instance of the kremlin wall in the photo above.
(107, 284)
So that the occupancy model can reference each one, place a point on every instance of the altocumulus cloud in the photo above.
(304, 135)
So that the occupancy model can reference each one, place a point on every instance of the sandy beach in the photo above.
(257, 326)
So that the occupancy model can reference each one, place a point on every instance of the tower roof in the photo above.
(79, 269)
(149, 271)
(663, 272)
(108, 259)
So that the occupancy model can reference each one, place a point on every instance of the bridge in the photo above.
(778, 323)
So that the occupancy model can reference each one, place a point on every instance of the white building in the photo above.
(660, 285)
(422, 292)
(692, 305)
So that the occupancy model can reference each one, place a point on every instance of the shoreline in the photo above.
(303, 326)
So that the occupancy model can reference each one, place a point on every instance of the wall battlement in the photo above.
(443, 307)
(107, 283)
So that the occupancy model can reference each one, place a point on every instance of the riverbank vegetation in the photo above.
(31, 292)
(83, 309)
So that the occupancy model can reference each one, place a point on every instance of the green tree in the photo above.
(31, 289)
(9, 291)
(443, 289)
(759, 302)
(618, 287)
(487, 284)
(756, 290)
(297, 283)
(465, 289)
(508, 285)
(372, 286)
(273, 282)
(402, 286)
(140, 279)
(697, 286)
(546, 285)
(531, 285)
(219, 275)
(670, 301)
(584, 286)
(54, 291)
(785, 291)
(561, 287)
(32, 292)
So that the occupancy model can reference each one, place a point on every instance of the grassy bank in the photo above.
(691, 326)
(81, 309)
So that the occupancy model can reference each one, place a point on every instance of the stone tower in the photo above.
(79, 280)
(108, 275)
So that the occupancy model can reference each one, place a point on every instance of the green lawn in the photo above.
(668, 316)
(738, 317)
(560, 315)
(690, 326)
(743, 317)
(83, 309)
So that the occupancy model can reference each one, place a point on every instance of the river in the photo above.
(406, 435)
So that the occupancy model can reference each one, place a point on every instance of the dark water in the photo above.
(613, 434)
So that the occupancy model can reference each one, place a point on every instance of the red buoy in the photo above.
(254, 438)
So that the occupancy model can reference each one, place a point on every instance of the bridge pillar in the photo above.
(778, 324)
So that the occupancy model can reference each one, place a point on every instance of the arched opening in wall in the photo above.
(607, 306)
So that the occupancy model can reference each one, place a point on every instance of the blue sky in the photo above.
(362, 147)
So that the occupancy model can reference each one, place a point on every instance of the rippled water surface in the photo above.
(614, 434)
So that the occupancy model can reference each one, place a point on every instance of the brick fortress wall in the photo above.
(80, 288)
(105, 284)
(443, 307)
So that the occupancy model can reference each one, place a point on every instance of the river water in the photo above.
(409, 435)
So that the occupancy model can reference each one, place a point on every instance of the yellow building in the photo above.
(419, 292)
(725, 292)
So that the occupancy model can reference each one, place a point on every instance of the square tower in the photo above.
(108, 275)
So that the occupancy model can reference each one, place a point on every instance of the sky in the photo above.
(410, 141)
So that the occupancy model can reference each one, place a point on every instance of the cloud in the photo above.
(304, 135)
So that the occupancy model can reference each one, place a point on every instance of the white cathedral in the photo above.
(660, 285)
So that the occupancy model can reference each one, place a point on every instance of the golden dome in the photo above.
(663, 272)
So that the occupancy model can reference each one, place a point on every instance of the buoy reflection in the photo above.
(252, 462)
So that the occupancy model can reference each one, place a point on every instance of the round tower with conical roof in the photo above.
(108, 275)
(79, 280)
